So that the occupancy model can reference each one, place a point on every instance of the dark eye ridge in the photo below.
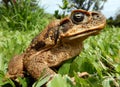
(78, 17)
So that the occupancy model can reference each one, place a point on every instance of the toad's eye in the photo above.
(77, 17)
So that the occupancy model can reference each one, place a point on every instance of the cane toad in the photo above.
(59, 41)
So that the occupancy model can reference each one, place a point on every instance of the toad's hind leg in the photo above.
(37, 69)
(15, 67)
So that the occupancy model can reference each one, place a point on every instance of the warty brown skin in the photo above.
(59, 41)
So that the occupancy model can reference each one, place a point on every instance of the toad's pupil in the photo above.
(78, 17)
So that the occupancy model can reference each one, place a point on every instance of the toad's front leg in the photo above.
(37, 68)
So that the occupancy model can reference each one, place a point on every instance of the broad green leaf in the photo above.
(106, 83)
(58, 81)
(41, 81)
(64, 69)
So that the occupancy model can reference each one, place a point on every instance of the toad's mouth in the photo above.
(83, 34)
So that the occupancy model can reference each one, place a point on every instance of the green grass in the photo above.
(22, 15)
(100, 58)
(14, 42)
